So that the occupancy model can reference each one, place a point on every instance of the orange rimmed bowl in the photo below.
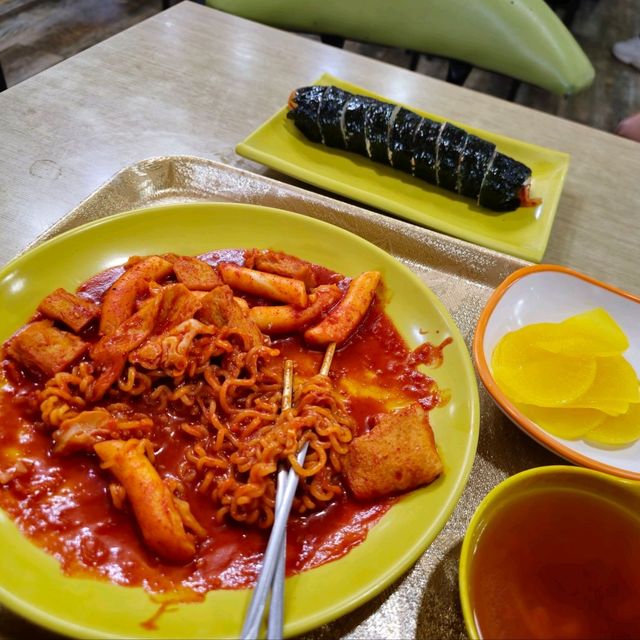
(551, 293)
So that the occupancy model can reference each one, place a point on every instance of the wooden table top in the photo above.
(195, 81)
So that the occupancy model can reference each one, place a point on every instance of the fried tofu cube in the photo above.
(196, 274)
(178, 304)
(217, 307)
(397, 455)
(220, 309)
(283, 264)
(70, 309)
(42, 347)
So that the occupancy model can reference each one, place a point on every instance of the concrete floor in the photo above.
(47, 31)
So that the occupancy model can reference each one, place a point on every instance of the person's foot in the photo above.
(630, 127)
(628, 51)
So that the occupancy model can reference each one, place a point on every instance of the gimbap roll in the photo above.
(437, 152)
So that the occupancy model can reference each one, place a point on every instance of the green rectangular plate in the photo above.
(523, 233)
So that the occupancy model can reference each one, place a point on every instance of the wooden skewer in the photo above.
(287, 385)
(274, 554)
(328, 358)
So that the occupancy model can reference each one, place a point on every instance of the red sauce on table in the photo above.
(560, 564)
(62, 503)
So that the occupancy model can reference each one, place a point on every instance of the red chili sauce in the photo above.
(62, 503)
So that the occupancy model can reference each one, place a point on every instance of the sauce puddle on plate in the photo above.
(561, 563)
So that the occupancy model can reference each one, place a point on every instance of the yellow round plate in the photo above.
(31, 582)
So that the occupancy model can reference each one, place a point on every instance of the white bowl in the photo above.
(550, 293)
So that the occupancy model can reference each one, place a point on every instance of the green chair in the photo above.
(522, 39)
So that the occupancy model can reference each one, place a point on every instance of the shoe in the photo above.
(628, 51)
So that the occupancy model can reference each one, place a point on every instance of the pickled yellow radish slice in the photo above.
(610, 407)
(618, 430)
(593, 332)
(564, 423)
(535, 376)
(571, 379)
(615, 383)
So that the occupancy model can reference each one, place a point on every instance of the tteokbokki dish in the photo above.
(143, 422)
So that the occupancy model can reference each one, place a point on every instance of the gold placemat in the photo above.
(424, 603)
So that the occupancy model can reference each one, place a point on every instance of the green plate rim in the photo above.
(533, 250)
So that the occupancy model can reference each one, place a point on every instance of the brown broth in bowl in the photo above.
(560, 563)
